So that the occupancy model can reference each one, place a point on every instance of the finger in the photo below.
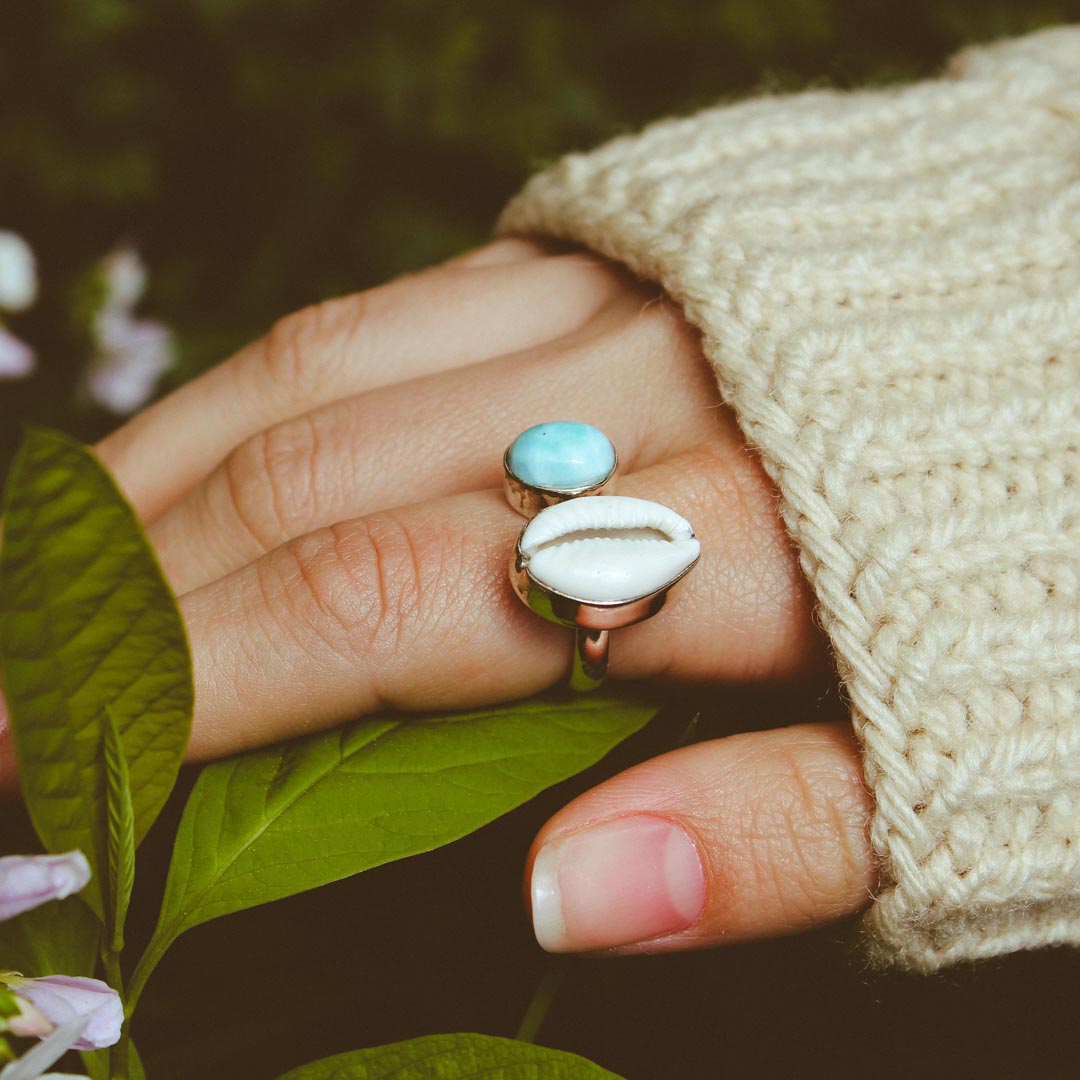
(512, 249)
(412, 609)
(501, 252)
(440, 319)
(745, 837)
(386, 448)
(745, 613)
(395, 610)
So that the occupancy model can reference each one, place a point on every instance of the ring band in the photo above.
(589, 668)
(594, 564)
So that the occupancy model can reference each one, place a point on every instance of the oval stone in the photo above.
(562, 455)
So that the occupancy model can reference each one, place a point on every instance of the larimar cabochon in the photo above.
(562, 455)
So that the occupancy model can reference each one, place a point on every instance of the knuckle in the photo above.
(354, 587)
(814, 832)
(289, 347)
(310, 343)
(270, 481)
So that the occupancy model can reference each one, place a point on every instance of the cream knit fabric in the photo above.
(888, 286)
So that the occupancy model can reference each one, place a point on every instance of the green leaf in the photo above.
(9, 1007)
(96, 1063)
(292, 817)
(60, 938)
(121, 827)
(453, 1057)
(136, 1070)
(86, 621)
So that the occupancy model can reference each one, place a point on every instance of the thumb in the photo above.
(750, 836)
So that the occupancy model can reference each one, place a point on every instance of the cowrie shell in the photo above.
(607, 549)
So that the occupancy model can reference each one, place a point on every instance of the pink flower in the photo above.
(18, 273)
(29, 880)
(130, 355)
(134, 355)
(62, 998)
(125, 277)
(16, 357)
(28, 1022)
(32, 1065)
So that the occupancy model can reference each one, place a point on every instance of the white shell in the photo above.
(608, 548)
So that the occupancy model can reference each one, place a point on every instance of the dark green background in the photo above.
(268, 153)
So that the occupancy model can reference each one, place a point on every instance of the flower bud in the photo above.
(29, 880)
(62, 998)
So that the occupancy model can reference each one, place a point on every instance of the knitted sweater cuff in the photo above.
(887, 284)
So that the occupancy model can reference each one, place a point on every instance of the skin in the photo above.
(327, 505)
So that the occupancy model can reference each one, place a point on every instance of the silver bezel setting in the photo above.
(529, 499)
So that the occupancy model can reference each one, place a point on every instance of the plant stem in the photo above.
(119, 1055)
(157, 948)
(541, 1001)
(113, 975)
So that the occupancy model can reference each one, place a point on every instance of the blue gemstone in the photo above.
(562, 456)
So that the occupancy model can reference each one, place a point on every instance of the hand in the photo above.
(327, 505)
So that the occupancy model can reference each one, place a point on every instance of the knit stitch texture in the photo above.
(887, 284)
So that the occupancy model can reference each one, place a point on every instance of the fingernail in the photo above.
(616, 883)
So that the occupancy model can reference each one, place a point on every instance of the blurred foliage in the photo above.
(267, 153)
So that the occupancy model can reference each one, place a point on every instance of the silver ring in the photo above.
(597, 563)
